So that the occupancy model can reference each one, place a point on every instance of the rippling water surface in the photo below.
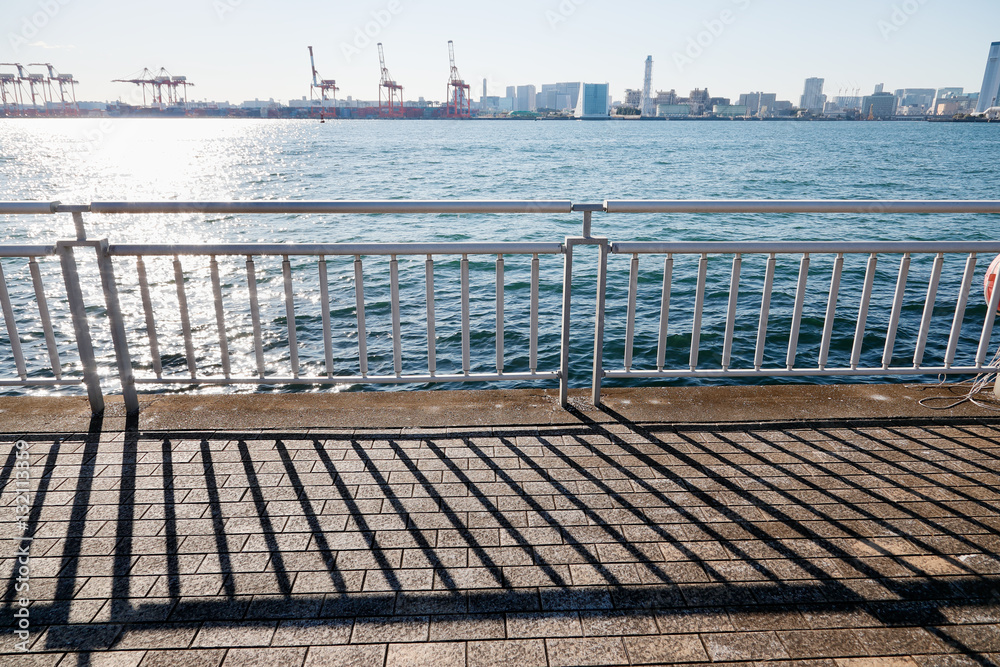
(78, 161)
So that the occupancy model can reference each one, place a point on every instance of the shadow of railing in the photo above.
(888, 519)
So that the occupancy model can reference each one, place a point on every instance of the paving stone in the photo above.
(451, 654)
(823, 644)
(467, 627)
(586, 651)
(112, 658)
(731, 646)
(312, 632)
(612, 624)
(273, 657)
(901, 641)
(248, 633)
(550, 624)
(523, 653)
(387, 630)
(665, 649)
(346, 656)
(176, 635)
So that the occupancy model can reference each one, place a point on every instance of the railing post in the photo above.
(566, 323)
(117, 324)
(602, 284)
(78, 311)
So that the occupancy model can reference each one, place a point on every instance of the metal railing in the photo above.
(308, 344)
(32, 370)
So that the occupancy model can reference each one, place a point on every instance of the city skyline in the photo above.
(235, 50)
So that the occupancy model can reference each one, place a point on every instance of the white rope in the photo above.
(981, 384)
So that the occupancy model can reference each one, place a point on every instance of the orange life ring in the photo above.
(991, 279)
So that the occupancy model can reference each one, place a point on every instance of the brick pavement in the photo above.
(837, 543)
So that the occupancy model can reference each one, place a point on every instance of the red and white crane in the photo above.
(459, 95)
(324, 86)
(390, 93)
(12, 90)
(67, 98)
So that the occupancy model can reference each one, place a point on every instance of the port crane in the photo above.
(323, 85)
(459, 96)
(390, 93)
(11, 90)
(61, 81)
(157, 83)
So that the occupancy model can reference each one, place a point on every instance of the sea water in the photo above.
(83, 160)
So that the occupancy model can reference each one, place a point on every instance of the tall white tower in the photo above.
(989, 95)
(648, 106)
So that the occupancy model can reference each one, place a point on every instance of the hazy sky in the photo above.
(244, 49)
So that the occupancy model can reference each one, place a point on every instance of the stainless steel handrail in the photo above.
(107, 254)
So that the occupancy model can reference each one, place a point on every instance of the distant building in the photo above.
(916, 97)
(730, 110)
(700, 101)
(665, 98)
(633, 98)
(594, 100)
(562, 96)
(526, 98)
(673, 110)
(990, 92)
(880, 106)
(646, 104)
(759, 103)
(813, 98)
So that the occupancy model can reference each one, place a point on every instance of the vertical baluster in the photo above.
(533, 343)
(466, 364)
(220, 317)
(500, 314)
(661, 347)
(897, 309)
(831, 310)
(8, 316)
(147, 307)
(987, 335)
(293, 345)
(699, 308)
(866, 299)
(431, 333)
(765, 312)
(258, 340)
(397, 334)
(359, 296)
(800, 300)
(633, 289)
(929, 303)
(43, 313)
(963, 301)
(599, 320)
(185, 318)
(324, 299)
(734, 293)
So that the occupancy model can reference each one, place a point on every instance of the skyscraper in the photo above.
(813, 98)
(593, 102)
(989, 95)
(526, 98)
(648, 105)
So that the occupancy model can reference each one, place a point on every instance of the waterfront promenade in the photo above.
(821, 525)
